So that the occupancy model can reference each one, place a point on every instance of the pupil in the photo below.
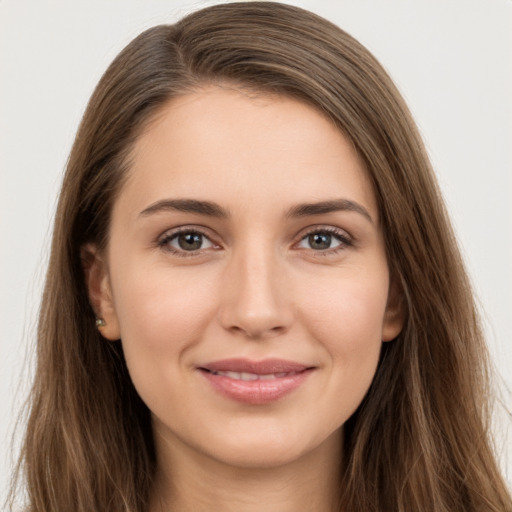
(190, 241)
(320, 241)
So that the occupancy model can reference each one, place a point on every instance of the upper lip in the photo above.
(265, 367)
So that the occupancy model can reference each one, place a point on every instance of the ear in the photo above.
(97, 282)
(394, 316)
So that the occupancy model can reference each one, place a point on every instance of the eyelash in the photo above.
(345, 241)
(163, 242)
(343, 237)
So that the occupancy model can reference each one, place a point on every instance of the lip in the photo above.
(262, 382)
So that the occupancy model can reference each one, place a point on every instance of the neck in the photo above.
(191, 482)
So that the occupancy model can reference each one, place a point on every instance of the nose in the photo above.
(256, 300)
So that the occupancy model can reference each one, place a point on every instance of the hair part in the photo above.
(420, 439)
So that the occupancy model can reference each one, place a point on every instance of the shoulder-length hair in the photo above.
(420, 440)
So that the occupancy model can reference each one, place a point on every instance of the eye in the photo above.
(325, 240)
(186, 241)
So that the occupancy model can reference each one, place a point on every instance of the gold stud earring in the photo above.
(100, 323)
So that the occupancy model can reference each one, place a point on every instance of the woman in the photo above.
(254, 298)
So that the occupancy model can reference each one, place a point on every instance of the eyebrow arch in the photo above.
(186, 205)
(323, 207)
(214, 210)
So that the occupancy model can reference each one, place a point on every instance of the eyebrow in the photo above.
(211, 209)
(186, 205)
(323, 207)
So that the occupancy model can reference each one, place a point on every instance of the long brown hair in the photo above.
(420, 439)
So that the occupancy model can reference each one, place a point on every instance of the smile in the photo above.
(255, 383)
(246, 376)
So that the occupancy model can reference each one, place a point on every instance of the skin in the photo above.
(257, 287)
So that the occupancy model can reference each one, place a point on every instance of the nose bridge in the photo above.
(255, 303)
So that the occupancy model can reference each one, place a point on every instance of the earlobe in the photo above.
(97, 282)
(394, 316)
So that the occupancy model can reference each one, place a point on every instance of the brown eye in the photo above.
(186, 241)
(325, 240)
(190, 241)
(320, 241)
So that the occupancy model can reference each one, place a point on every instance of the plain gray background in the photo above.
(452, 60)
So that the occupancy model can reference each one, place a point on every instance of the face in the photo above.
(246, 278)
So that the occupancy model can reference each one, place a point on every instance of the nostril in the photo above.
(255, 313)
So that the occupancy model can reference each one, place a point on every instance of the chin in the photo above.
(271, 448)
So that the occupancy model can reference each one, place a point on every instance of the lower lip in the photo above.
(256, 392)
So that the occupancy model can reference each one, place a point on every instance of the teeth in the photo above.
(246, 376)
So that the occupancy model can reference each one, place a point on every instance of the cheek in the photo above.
(161, 310)
(347, 322)
(162, 315)
(348, 316)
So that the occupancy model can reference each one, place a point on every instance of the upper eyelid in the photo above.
(325, 229)
(171, 232)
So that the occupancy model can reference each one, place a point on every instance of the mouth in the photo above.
(255, 382)
(247, 376)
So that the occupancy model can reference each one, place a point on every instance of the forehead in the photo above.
(242, 149)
